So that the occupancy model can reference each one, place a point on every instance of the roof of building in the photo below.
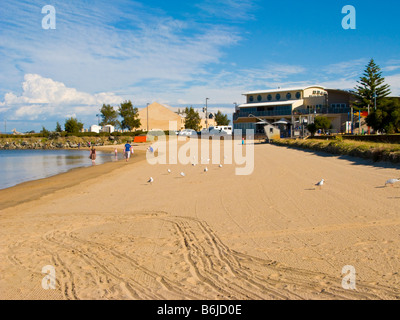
(283, 90)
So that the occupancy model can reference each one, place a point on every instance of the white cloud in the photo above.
(94, 51)
(229, 9)
(44, 97)
(394, 82)
(346, 68)
(391, 68)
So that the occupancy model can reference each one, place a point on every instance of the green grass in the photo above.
(367, 150)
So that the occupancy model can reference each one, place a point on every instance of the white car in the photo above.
(187, 132)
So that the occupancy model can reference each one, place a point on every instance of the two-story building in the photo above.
(293, 108)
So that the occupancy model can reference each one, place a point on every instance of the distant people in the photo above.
(93, 155)
(116, 152)
(79, 145)
(127, 153)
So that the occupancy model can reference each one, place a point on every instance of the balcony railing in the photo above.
(323, 110)
(243, 114)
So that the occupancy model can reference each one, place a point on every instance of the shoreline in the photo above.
(35, 189)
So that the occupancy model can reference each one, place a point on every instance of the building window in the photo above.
(289, 96)
(269, 97)
(259, 98)
(298, 95)
(278, 96)
(251, 98)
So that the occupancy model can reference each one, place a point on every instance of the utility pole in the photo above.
(207, 113)
(147, 116)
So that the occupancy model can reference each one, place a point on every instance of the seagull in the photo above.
(150, 180)
(169, 170)
(220, 165)
(391, 182)
(205, 169)
(182, 174)
(320, 184)
(193, 164)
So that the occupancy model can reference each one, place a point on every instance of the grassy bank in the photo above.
(367, 150)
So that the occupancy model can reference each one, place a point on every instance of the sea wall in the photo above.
(59, 142)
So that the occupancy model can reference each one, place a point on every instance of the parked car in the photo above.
(187, 132)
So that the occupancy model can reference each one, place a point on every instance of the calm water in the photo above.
(18, 166)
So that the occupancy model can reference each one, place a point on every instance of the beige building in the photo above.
(158, 116)
(210, 120)
(293, 108)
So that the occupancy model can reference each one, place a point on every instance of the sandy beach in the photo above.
(270, 235)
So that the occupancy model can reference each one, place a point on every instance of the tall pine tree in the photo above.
(369, 84)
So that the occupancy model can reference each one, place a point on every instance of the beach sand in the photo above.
(270, 235)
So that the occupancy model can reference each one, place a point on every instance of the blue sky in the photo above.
(180, 52)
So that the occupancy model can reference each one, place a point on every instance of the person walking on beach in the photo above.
(93, 155)
(127, 151)
(116, 153)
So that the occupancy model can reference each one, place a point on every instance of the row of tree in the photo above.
(128, 114)
(72, 125)
(193, 120)
(130, 119)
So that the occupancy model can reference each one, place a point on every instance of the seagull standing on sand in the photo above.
(150, 180)
(320, 184)
(169, 170)
(220, 165)
(391, 182)
(182, 174)
(205, 169)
